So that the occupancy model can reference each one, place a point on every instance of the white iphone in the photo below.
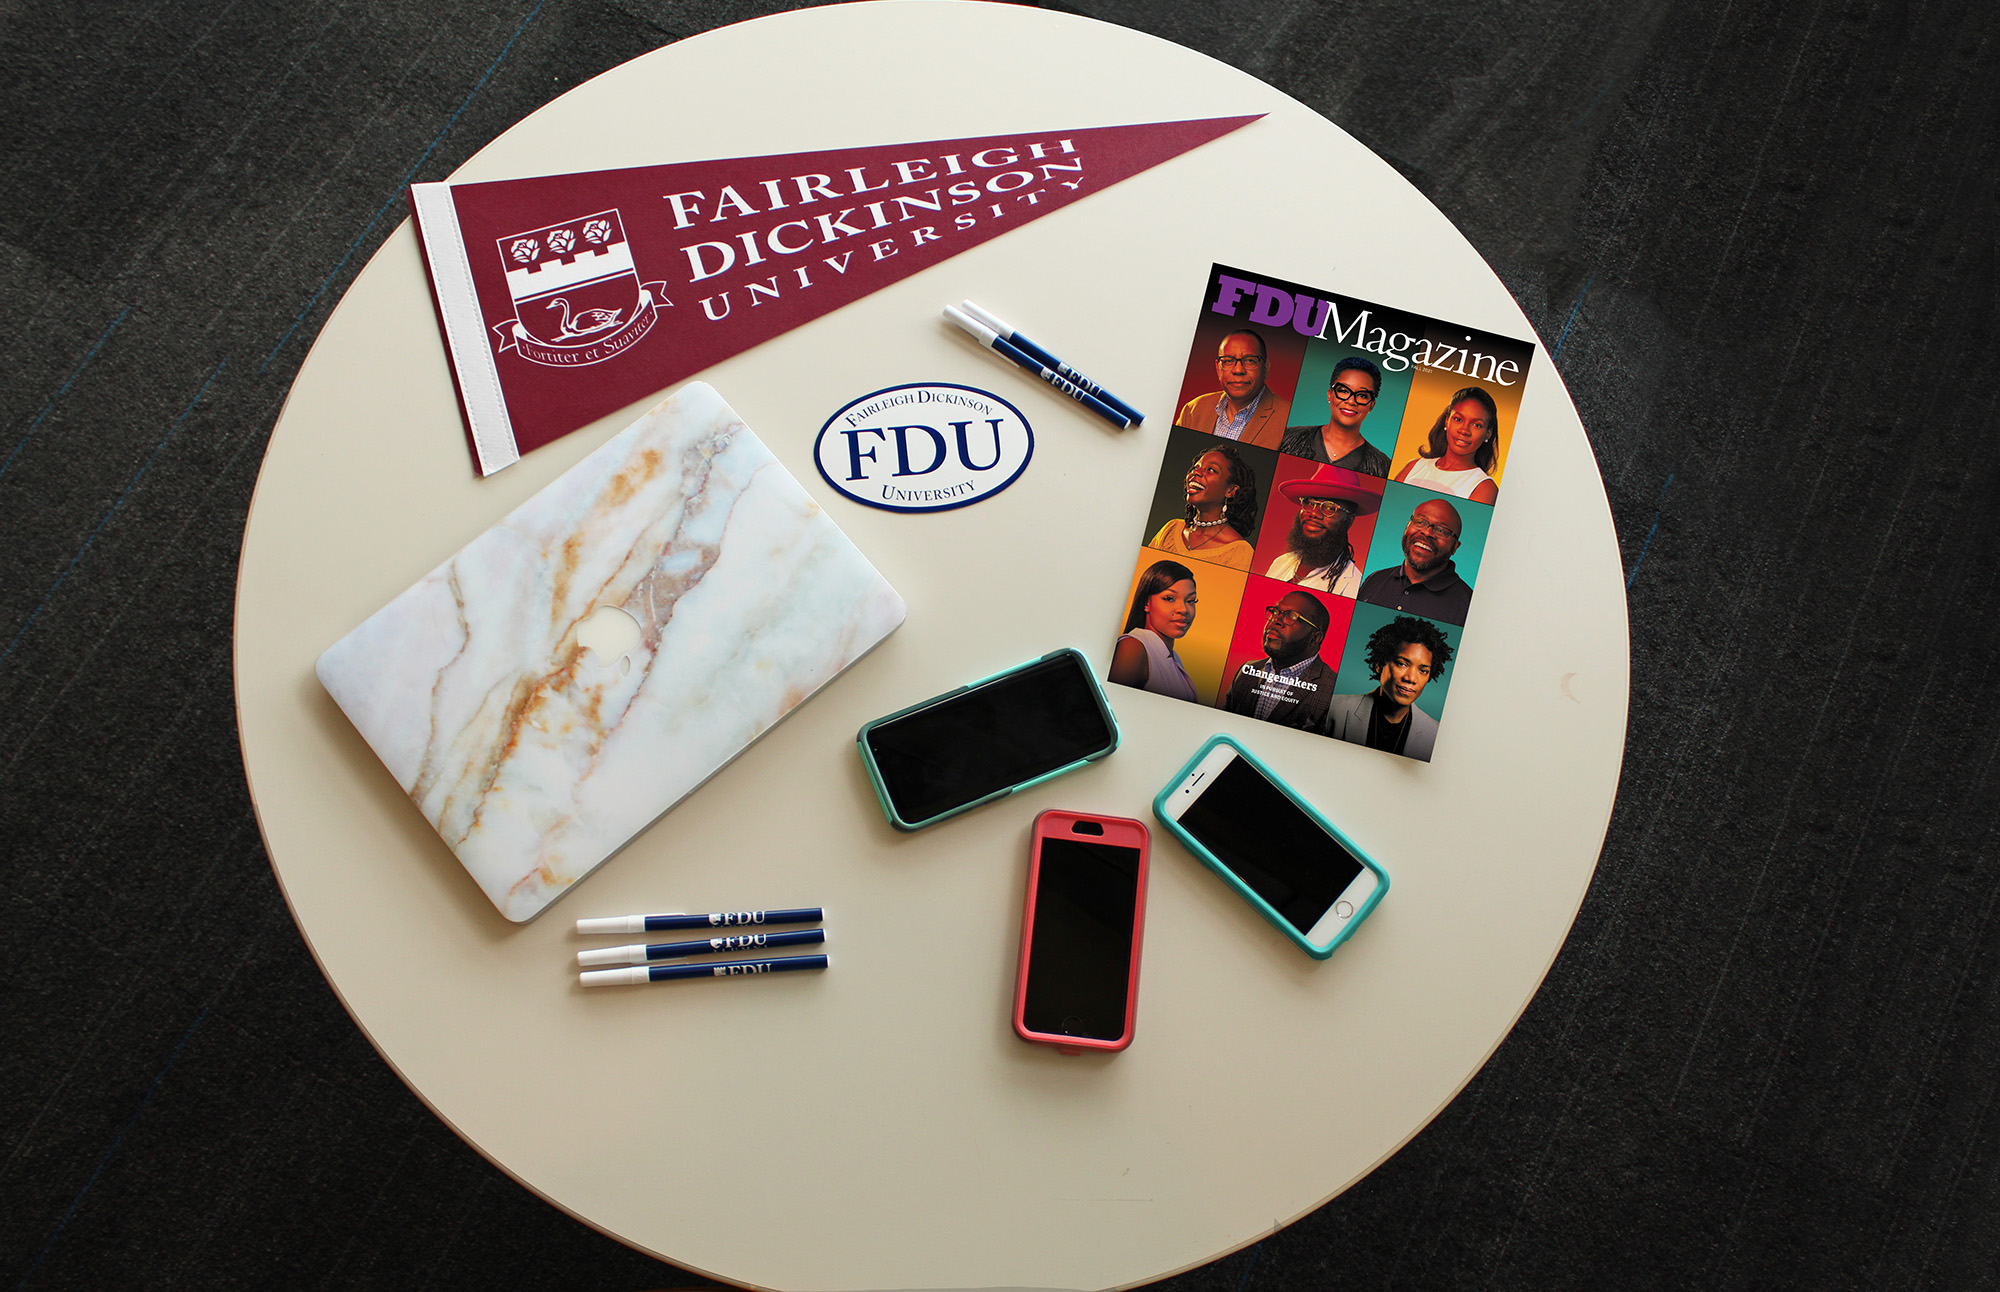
(1296, 867)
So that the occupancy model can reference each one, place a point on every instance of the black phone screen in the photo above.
(1007, 730)
(1285, 856)
(1080, 949)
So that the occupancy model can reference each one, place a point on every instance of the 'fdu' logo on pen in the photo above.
(737, 917)
(730, 971)
(928, 447)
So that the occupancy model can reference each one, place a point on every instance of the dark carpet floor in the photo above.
(1759, 241)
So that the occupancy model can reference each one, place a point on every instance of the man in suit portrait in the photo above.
(1245, 408)
(1291, 684)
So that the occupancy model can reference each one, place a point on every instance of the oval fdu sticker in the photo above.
(927, 447)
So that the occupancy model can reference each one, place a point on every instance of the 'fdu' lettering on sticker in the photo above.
(928, 447)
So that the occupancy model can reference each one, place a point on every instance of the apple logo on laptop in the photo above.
(609, 633)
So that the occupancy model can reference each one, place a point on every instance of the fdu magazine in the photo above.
(1314, 546)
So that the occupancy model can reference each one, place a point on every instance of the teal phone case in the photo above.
(875, 773)
(1230, 877)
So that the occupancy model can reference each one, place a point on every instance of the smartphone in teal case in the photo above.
(1298, 869)
(1000, 735)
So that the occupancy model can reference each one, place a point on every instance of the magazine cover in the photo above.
(1312, 551)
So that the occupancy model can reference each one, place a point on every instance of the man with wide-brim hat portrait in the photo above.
(1317, 551)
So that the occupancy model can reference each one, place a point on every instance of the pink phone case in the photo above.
(1119, 831)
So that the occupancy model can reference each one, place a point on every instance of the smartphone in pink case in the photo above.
(1081, 932)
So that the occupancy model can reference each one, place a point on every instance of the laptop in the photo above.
(588, 662)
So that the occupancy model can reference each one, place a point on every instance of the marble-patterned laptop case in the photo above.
(535, 757)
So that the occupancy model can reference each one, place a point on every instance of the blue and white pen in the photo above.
(1047, 359)
(639, 953)
(712, 920)
(1000, 345)
(715, 969)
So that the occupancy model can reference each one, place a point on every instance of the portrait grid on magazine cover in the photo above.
(1312, 551)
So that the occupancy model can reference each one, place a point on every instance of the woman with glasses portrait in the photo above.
(1350, 397)
(1462, 448)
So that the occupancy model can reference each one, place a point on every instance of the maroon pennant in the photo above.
(566, 297)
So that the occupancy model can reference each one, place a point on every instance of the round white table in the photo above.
(879, 1125)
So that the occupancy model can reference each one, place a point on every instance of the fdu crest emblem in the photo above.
(577, 295)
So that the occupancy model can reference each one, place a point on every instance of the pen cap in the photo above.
(613, 924)
(973, 327)
(614, 977)
(612, 955)
(981, 316)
